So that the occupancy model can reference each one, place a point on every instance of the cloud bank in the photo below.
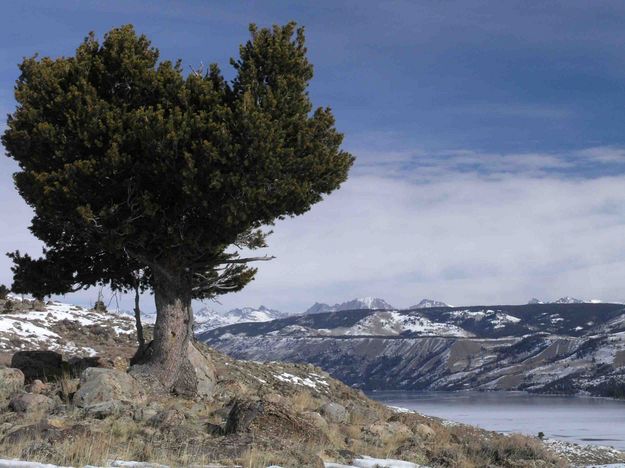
(457, 225)
(464, 227)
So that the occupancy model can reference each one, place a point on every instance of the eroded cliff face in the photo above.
(550, 348)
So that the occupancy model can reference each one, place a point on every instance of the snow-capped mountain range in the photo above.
(566, 300)
(562, 347)
(208, 319)
(370, 303)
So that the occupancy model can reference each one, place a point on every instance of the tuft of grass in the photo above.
(304, 401)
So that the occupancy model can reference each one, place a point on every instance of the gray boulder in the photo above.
(31, 403)
(98, 385)
(204, 372)
(109, 408)
(335, 413)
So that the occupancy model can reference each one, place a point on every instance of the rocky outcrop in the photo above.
(98, 385)
(256, 415)
(335, 412)
(31, 403)
(281, 414)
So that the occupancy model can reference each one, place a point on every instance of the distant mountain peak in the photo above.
(354, 304)
(568, 300)
(428, 304)
(533, 300)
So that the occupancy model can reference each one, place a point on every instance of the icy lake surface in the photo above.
(575, 419)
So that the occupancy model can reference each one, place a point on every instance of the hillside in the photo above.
(71, 410)
(564, 347)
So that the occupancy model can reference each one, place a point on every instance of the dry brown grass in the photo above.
(304, 401)
(123, 441)
(470, 447)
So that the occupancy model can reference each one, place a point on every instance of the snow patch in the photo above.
(311, 381)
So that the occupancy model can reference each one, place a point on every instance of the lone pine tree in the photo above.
(129, 163)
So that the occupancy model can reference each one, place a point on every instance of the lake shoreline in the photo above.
(580, 394)
(580, 419)
(579, 453)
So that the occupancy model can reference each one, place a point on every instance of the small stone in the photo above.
(37, 386)
(30, 403)
(57, 423)
(274, 398)
(334, 412)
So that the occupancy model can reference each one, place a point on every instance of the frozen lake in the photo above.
(573, 419)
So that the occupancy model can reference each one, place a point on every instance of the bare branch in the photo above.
(264, 258)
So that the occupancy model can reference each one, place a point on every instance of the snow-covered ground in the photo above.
(35, 329)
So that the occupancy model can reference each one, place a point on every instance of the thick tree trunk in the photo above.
(165, 363)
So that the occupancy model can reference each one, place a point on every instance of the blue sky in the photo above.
(489, 138)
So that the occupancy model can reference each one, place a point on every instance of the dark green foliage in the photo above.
(130, 165)
(4, 291)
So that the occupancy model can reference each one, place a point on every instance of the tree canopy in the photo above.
(131, 163)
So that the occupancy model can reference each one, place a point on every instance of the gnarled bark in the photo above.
(165, 363)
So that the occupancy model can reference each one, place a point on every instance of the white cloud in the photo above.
(463, 236)
(464, 239)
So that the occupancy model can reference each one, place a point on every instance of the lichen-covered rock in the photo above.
(43, 365)
(204, 372)
(31, 403)
(334, 412)
(98, 385)
(266, 419)
(11, 381)
(108, 408)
